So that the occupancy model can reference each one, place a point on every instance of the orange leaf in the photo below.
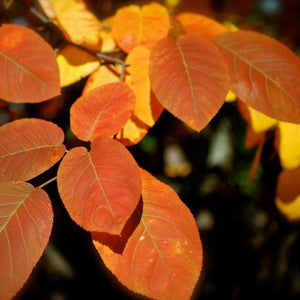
(134, 26)
(78, 24)
(25, 225)
(102, 111)
(29, 71)
(189, 78)
(265, 74)
(74, 64)
(288, 194)
(100, 188)
(29, 147)
(162, 258)
(147, 109)
(207, 27)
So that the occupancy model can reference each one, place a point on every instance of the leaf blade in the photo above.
(28, 147)
(29, 69)
(25, 228)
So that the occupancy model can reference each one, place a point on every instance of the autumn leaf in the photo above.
(102, 111)
(134, 26)
(29, 147)
(289, 145)
(260, 122)
(25, 225)
(288, 194)
(189, 78)
(162, 258)
(74, 64)
(29, 72)
(264, 73)
(101, 188)
(207, 27)
(78, 23)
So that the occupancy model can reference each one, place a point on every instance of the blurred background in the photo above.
(250, 249)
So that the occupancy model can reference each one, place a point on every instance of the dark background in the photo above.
(250, 250)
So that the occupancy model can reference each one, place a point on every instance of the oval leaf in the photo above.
(102, 111)
(100, 188)
(189, 78)
(264, 73)
(29, 147)
(162, 258)
(134, 26)
(29, 72)
(25, 225)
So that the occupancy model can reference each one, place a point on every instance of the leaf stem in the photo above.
(47, 182)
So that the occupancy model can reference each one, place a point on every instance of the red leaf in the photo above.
(189, 78)
(264, 73)
(102, 111)
(25, 225)
(100, 188)
(29, 147)
(162, 259)
(29, 72)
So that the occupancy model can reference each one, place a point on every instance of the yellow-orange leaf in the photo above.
(288, 194)
(289, 145)
(207, 27)
(74, 64)
(259, 121)
(78, 24)
(162, 258)
(133, 25)
(147, 109)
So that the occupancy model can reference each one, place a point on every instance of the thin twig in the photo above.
(47, 182)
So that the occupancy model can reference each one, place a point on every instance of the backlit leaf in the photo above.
(264, 73)
(102, 111)
(207, 27)
(78, 23)
(134, 26)
(162, 258)
(25, 225)
(100, 188)
(29, 147)
(29, 71)
(260, 122)
(289, 145)
(288, 194)
(74, 64)
(189, 78)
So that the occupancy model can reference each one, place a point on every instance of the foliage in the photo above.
(143, 62)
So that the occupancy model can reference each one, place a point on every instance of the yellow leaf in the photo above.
(75, 64)
(230, 97)
(77, 23)
(289, 145)
(288, 194)
(260, 122)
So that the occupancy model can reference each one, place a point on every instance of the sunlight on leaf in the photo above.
(74, 64)
(260, 122)
(25, 225)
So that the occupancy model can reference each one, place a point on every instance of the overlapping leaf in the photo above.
(77, 22)
(100, 188)
(288, 194)
(25, 225)
(29, 71)
(207, 27)
(264, 73)
(102, 111)
(134, 26)
(189, 78)
(28, 147)
(74, 64)
(162, 258)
